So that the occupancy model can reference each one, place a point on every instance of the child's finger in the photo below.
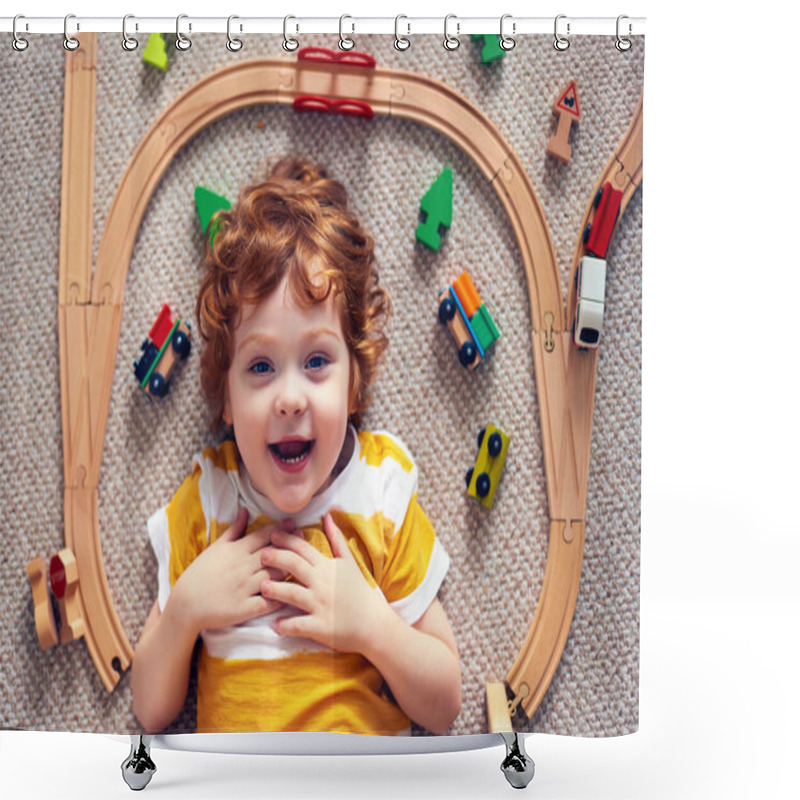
(336, 538)
(288, 561)
(276, 574)
(258, 606)
(236, 528)
(291, 594)
(296, 543)
(303, 625)
(261, 537)
(256, 581)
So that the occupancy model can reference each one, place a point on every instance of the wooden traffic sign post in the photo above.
(568, 110)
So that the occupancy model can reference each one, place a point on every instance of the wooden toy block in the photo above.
(490, 47)
(155, 52)
(64, 583)
(43, 615)
(568, 110)
(437, 205)
(483, 479)
(467, 294)
(497, 711)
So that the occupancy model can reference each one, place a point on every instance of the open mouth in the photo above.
(292, 452)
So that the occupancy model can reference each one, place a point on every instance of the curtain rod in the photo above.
(572, 26)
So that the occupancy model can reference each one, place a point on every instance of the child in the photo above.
(297, 551)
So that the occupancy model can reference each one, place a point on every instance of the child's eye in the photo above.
(260, 368)
(316, 362)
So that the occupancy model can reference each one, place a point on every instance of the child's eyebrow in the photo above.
(267, 339)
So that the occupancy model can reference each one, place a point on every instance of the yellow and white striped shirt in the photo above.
(249, 677)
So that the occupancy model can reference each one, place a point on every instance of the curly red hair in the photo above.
(296, 220)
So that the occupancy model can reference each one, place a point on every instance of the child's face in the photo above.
(287, 398)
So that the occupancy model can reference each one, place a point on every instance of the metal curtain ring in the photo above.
(622, 44)
(401, 42)
(70, 42)
(290, 44)
(128, 42)
(182, 42)
(451, 42)
(507, 42)
(233, 44)
(345, 42)
(560, 42)
(18, 43)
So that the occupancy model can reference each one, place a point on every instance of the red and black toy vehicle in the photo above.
(168, 342)
(590, 277)
(597, 235)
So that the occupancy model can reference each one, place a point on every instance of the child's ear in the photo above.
(227, 417)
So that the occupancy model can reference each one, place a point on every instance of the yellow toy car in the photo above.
(483, 478)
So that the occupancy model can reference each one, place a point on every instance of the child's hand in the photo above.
(222, 586)
(342, 609)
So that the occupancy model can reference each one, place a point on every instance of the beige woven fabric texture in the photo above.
(422, 394)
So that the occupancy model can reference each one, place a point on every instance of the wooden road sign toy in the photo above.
(568, 110)
(91, 306)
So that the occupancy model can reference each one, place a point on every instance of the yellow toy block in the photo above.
(483, 478)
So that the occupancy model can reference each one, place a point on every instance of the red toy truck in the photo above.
(590, 277)
(597, 235)
(167, 343)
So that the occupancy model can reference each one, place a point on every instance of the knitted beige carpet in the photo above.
(423, 394)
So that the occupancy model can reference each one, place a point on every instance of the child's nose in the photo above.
(291, 399)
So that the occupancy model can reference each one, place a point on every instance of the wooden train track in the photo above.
(568, 406)
(90, 328)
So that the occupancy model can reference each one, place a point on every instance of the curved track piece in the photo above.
(566, 413)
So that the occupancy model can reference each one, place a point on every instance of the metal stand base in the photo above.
(517, 766)
(138, 768)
